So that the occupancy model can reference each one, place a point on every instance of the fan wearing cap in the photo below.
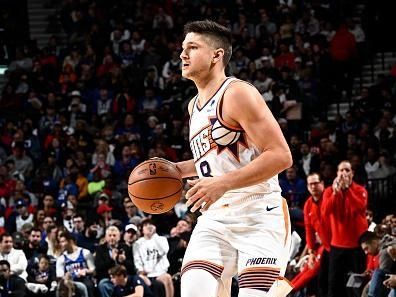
(104, 209)
(105, 216)
(22, 214)
(130, 235)
(75, 97)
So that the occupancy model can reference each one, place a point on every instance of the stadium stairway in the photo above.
(380, 65)
(343, 104)
(39, 22)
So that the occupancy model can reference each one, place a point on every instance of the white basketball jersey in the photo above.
(219, 148)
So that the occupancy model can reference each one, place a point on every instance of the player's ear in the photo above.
(218, 55)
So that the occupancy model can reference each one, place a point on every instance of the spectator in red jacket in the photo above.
(343, 45)
(285, 58)
(317, 233)
(345, 205)
(343, 51)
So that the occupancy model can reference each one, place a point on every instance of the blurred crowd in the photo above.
(78, 116)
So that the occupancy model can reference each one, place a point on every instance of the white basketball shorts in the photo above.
(249, 239)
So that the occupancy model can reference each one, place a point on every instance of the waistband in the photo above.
(235, 202)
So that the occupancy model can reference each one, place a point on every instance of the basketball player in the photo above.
(238, 151)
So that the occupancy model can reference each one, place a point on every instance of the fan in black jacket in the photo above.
(109, 254)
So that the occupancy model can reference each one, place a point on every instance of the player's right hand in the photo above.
(204, 192)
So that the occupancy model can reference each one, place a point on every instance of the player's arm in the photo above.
(187, 168)
(243, 106)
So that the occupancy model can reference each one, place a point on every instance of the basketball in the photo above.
(223, 136)
(155, 186)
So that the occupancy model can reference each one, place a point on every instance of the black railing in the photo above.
(382, 195)
(378, 58)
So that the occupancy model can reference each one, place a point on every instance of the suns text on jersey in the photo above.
(202, 143)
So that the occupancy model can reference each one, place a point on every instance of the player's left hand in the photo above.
(204, 192)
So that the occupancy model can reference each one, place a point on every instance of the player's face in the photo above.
(196, 56)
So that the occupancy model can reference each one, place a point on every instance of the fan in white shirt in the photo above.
(16, 258)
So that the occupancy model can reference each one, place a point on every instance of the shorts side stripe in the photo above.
(214, 269)
(258, 278)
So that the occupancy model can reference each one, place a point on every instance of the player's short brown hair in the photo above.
(221, 36)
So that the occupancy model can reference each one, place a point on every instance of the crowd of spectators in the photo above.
(76, 118)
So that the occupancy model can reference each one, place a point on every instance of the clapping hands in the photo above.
(340, 183)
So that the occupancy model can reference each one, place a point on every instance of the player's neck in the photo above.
(208, 86)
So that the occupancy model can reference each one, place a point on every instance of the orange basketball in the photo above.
(155, 186)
